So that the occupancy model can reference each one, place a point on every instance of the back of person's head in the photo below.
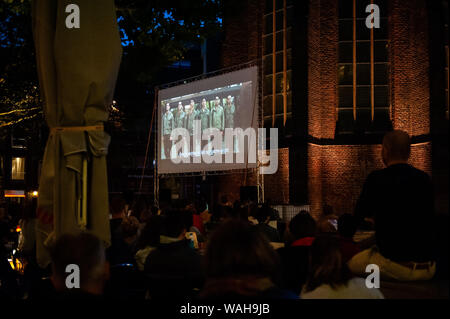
(200, 206)
(326, 263)
(176, 222)
(327, 210)
(87, 252)
(263, 213)
(151, 232)
(128, 196)
(396, 147)
(302, 225)
(237, 249)
(347, 225)
(224, 200)
(227, 213)
(130, 227)
(117, 207)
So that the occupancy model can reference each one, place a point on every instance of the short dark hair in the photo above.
(117, 205)
(85, 250)
(175, 221)
(262, 213)
(238, 248)
(327, 210)
(326, 264)
(130, 226)
(398, 144)
(302, 225)
(347, 225)
(151, 232)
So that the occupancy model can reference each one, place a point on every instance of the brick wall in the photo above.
(336, 173)
(276, 186)
(243, 33)
(410, 97)
(322, 67)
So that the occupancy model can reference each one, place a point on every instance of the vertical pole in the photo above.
(372, 80)
(284, 63)
(274, 62)
(83, 218)
(354, 60)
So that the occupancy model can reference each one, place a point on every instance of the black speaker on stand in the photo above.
(249, 193)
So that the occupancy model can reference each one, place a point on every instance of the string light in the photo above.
(20, 110)
(19, 120)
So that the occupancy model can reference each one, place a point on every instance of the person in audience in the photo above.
(122, 247)
(329, 277)
(9, 288)
(347, 229)
(264, 215)
(240, 263)
(174, 268)
(400, 200)
(88, 253)
(327, 222)
(118, 212)
(141, 210)
(148, 240)
(294, 256)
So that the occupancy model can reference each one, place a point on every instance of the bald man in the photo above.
(399, 199)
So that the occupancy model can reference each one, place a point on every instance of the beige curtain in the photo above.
(77, 73)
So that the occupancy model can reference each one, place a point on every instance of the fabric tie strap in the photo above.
(76, 128)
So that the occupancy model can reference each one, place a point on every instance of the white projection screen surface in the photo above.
(205, 108)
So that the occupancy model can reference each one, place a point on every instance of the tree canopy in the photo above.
(154, 34)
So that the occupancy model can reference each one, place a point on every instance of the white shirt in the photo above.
(355, 289)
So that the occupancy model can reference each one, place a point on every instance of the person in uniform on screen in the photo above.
(204, 115)
(167, 127)
(180, 117)
(229, 117)
(229, 112)
(191, 115)
(217, 116)
(180, 121)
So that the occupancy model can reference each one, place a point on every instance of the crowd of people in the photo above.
(245, 250)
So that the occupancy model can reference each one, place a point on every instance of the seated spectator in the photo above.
(240, 263)
(9, 288)
(141, 210)
(148, 240)
(122, 249)
(329, 277)
(400, 200)
(198, 224)
(264, 215)
(174, 268)
(118, 211)
(294, 256)
(327, 222)
(346, 230)
(87, 252)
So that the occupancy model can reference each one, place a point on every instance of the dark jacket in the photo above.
(294, 262)
(400, 199)
(174, 270)
(270, 232)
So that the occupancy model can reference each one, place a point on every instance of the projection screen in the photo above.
(201, 123)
